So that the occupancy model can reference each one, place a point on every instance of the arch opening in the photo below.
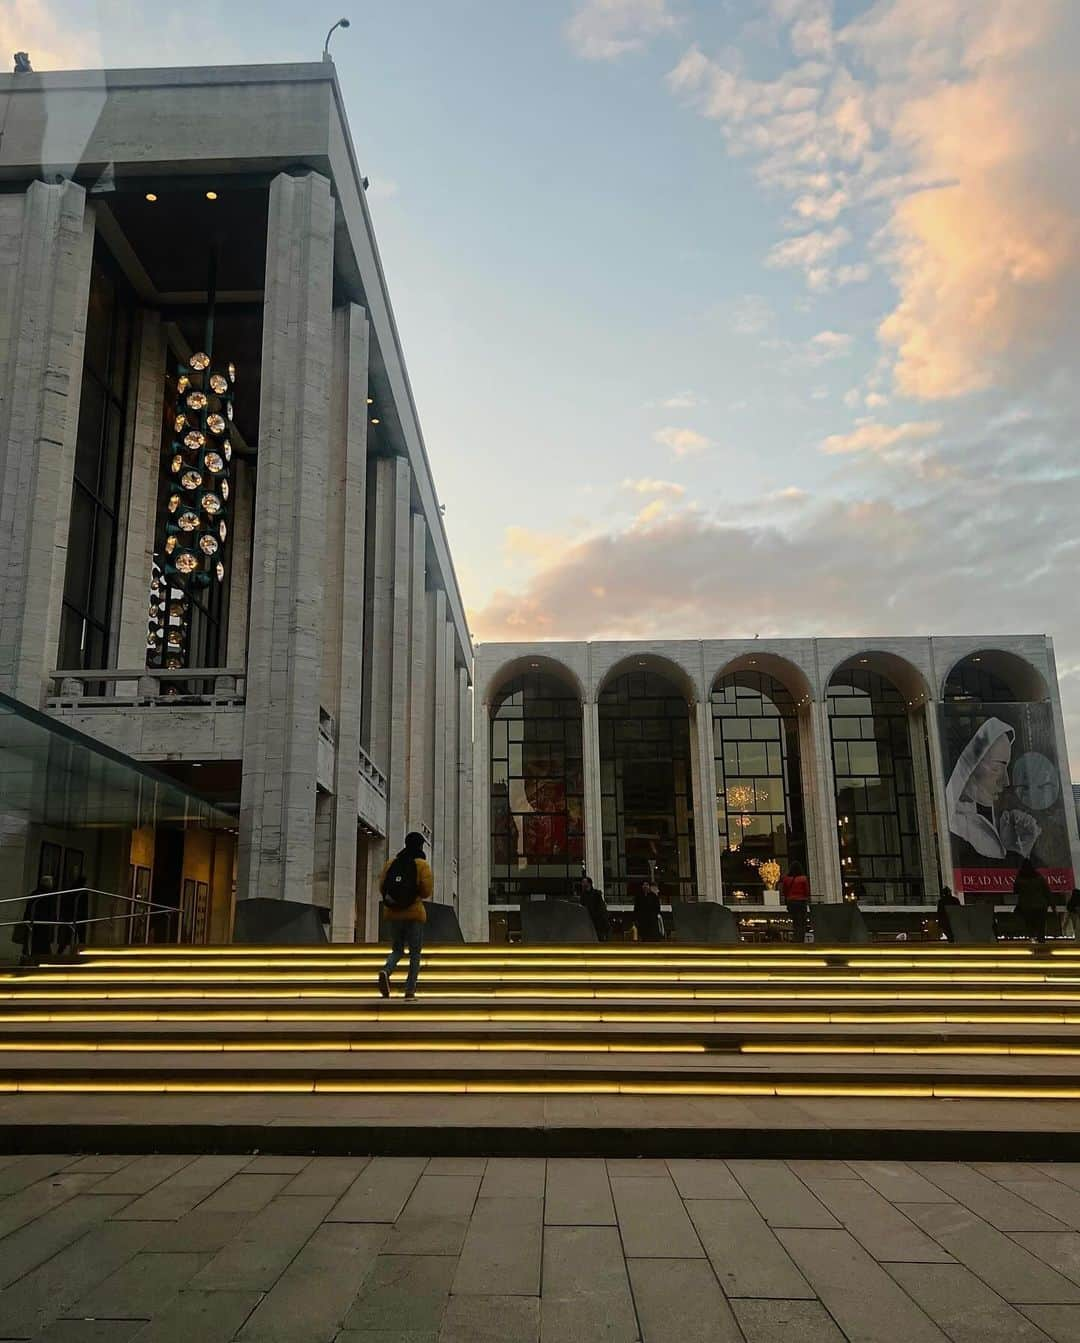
(992, 676)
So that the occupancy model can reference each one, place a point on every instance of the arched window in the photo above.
(874, 777)
(537, 828)
(759, 802)
(645, 783)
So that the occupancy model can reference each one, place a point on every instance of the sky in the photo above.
(724, 317)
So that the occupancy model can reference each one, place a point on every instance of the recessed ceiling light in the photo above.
(374, 421)
(371, 400)
(150, 196)
(211, 195)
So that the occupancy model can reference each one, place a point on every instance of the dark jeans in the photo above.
(407, 933)
(800, 912)
(1034, 923)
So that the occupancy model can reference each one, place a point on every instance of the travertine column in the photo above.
(467, 894)
(826, 884)
(817, 825)
(594, 814)
(46, 247)
(1071, 825)
(242, 516)
(345, 630)
(710, 879)
(449, 782)
(277, 811)
(925, 811)
(438, 741)
(475, 924)
(419, 813)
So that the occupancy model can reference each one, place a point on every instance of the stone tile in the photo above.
(988, 1200)
(24, 1249)
(1007, 1170)
(1011, 1270)
(861, 1297)
(746, 1256)
(143, 1174)
(491, 1319)
(578, 1193)
(327, 1175)
(1066, 1172)
(99, 1165)
(1061, 1250)
(637, 1168)
(704, 1179)
(200, 1317)
(405, 1293)
(28, 1170)
(313, 1295)
(436, 1217)
(384, 1336)
(17, 1210)
(877, 1225)
(820, 1170)
(91, 1331)
(501, 1254)
(965, 1308)
(279, 1165)
(265, 1246)
(173, 1197)
(456, 1165)
(779, 1195)
(653, 1221)
(197, 1230)
(586, 1293)
(679, 1301)
(1058, 1200)
(380, 1191)
(246, 1193)
(140, 1288)
(785, 1321)
(1059, 1323)
(896, 1181)
(514, 1177)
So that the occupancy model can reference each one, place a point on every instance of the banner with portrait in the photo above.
(1004, 796)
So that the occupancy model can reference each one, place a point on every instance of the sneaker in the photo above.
(384, 984)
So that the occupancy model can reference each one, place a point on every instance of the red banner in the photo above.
(999, 880)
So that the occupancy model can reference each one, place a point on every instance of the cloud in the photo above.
(808, 248)
(874, 437)
(751, 314)
(523, 545)
(604, 30)
(679, 401)
(831, 343)
(682, 442)
(651, 512)
(660, 487)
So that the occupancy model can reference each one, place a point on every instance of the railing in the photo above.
(116, 688)
(372, 773)
(67, 936)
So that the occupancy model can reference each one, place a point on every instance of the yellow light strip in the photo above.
(644, 950)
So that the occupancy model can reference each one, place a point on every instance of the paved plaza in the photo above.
(273, 1249)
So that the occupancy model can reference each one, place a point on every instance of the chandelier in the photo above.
(740, 796)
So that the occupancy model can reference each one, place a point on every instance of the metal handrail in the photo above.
(151, 907)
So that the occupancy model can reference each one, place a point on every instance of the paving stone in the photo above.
(384, 1336)
(456, 1165)
(1059, 1323)
(679, 1301)
(1058, 1200)
(501, 1254)
(246, 1193)
(965, 1308)
(99, 1165)
(987, 1199)
(140, 1288)
(780, 1197)
(704, 1179)
(327, 1175)
(1061, 1250)
(405, 1293)
(197, 1230)
(28, 1170)
(265, 1246)
(896, 1181)
(820, 1170)
(1067, 1172)
(31, 1245)
(879, 1227)
(1003, 1264)
(200, 1317)
(278, 1165)
(312, 1297)
(653, 1221)
(863, 1299)
(380, 1191)
(91, 1331)
(17, 1210)
(173, 1197)
(785, 1321)
(745, 1254)
(586, 1293)
(637, 1168)
(491, 1319)
(142, 1174)
(1007, 1170)
(514, 1177)
(578, 1193)
(436, 1218)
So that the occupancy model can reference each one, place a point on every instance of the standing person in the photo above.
(648, 919)
(1033, 899)
(946, 901)
(795, 890)
(39, 912)
(1072, 914)
(404, 884)
(594, 902)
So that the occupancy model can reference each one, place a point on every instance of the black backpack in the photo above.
(399, 887)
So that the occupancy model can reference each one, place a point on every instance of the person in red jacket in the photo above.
(795, 889)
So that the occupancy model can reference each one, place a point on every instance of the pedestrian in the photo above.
(946, 902)
(39, 913)
(648, 918)
(795, 890)
(404, 884)
(594, 902)
(1033, 899)
(1072, 914)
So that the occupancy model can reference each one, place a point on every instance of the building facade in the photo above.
(885, 767)
(221, 545)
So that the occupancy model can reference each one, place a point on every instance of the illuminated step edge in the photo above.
(928, 949)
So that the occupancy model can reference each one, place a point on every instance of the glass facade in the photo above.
(874, 777)
(972, 682)
(537, 790)
(759, 803)
(645, 784)
(86, 617)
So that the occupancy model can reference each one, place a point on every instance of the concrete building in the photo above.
(886, 767)
(232, 568)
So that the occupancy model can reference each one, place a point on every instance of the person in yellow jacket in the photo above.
(404, 884)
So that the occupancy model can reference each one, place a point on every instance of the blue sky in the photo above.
(723, 316)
